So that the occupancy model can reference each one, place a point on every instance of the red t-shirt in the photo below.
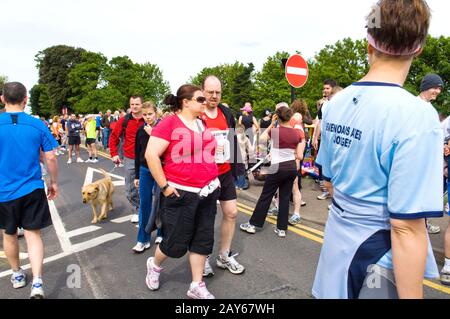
(218, 124)
(189, 158)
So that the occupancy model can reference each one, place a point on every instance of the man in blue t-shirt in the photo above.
(23, 202)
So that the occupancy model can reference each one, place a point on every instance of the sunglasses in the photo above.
(200, 99)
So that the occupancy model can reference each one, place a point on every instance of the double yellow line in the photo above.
(317, 236)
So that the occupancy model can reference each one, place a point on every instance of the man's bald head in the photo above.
(212, 89)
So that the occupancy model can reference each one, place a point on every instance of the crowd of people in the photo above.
(180, 165)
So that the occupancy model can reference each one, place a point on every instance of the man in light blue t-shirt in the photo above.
(23, 201)
(381, 155)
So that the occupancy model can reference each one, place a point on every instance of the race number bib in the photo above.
(223, 146)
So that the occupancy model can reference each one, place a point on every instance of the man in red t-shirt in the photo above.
(135, 121)
(221, 122)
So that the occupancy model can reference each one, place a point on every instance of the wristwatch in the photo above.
(164, 188)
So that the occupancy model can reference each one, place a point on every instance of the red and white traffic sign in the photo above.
(297, 71)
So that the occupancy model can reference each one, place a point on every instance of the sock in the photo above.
(225, 255)
(195, 284)
(447, 264)
(96, 158)
(19, 272)
(37, 280)
(297, 214)
(90, 157)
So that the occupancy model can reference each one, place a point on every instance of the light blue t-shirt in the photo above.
(21, 139)
(381, 148)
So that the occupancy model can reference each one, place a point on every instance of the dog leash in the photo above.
(115, 166)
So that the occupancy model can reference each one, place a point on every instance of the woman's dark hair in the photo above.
(284, 114)
(186, 91)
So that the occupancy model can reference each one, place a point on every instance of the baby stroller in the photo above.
(257, 169)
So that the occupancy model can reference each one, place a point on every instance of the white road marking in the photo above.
(22, 256)
(90, 177)
(64, 240)
(96, 242)
(121, 219)
(296, 71)
(81, 231)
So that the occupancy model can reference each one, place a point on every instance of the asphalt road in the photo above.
(85, 262)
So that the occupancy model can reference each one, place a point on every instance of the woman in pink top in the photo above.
(189, 187)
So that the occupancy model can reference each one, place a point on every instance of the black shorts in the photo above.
(227, 187)
(30, 212)
(90, 141)
(188, 224)
(74, 140)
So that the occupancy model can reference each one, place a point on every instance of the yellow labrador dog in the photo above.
(99, 192)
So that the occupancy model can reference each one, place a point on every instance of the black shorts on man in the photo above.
(90, 141)
(30, 212)
(227, 187)
(74, 140)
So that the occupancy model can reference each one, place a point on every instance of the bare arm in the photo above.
(155, 149)
(52, 169)
(329, 187)
(300, 150)
(316, 136)
(409, 253)
(255, 123)
(240, 120)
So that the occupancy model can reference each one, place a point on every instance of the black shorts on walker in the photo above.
(30, 212)
(188, 224)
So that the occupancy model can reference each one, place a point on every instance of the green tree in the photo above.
(3, 80)
(54, 64)
(237, 82)
(86, 77)
(40, 101)
(271, 86)
(345, 61)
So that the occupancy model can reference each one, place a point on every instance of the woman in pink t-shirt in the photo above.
(189, 186)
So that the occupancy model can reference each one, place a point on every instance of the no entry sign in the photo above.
(297, 71)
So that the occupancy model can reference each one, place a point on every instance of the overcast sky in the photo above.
(182, 37)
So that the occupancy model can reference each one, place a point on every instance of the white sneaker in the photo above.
(158, 240)
(247, 227)
(69, 161)
(433, 229)
(79, 160)
(121, 165)
(208, 271)
(230, 263)
(135, 218)
(280, 233)
(19, 279)
(199, 292)
(141, 247)
(37, 291)
(94, 160)
(153, 273)
(88, 161)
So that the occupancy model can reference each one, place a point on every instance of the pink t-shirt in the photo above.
(189, 158)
